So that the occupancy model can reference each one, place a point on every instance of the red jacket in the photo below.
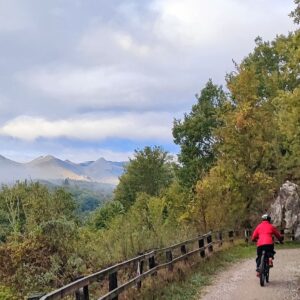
(263, 234)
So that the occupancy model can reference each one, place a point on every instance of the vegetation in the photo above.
(39, 232)
(195, 134)
(149, 172)
(236, 148)
(87, 195)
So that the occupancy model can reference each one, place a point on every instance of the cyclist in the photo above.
(263, 234)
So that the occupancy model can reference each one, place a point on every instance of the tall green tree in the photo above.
(150, 171)
(195, 134)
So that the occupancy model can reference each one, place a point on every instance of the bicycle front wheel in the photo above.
(262, 270)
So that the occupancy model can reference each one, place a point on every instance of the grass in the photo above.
(187, 281)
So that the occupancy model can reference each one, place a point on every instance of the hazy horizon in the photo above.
(54, 156)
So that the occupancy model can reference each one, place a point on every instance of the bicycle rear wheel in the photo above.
(267, 276)
(262, 270)
(267, 271)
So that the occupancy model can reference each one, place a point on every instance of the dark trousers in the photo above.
(269, 250)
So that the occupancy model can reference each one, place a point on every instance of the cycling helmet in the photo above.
(266, 217)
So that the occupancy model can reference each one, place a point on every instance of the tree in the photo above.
(276, 68)
(104, 215)
(39, 229)
(296, 13)
(288, 118)
(195, 134)
(150, 171)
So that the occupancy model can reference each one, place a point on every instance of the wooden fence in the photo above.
(145, 265)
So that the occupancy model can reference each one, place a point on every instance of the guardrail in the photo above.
(145, 265)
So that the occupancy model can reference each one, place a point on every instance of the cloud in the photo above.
(147, 126)
(130, 57)
(98, 84)
(14, 17)
(104, 88)
(106, 43)
(155, 58)
(207, 23)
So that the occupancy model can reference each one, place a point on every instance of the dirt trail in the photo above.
(239, 281)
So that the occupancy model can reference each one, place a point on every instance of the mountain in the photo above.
(11, 170)
(88, 194)
(103, 170)
(52, 169)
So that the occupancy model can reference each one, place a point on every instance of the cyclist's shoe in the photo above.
(270, 262)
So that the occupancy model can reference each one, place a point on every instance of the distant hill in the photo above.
(88, 195)
(52, 169)
(91, 183)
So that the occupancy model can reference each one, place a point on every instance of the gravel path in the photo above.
(240, 281)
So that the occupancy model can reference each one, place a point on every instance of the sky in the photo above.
(84, 79)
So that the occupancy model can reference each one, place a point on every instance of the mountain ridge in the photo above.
(52, 168)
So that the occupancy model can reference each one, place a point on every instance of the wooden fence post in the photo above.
(183, 251)
(201, 245)
(169, 258)
(209, 240)
(82, 294)
(230, 235)
(151, 262)
(220, 237)
(246, 234)
(293, 235)
(140, 270)
(113, 282)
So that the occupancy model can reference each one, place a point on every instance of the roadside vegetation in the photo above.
(237, 146)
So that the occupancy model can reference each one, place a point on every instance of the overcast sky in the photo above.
(83, 79)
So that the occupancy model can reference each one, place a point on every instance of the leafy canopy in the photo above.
(195, 134)
(150, 171)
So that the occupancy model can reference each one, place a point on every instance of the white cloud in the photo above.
(175, 47)
(101, 40)
(206, 23)
(104, 87)
(147, 126)
(78, 82)
(127, 43)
